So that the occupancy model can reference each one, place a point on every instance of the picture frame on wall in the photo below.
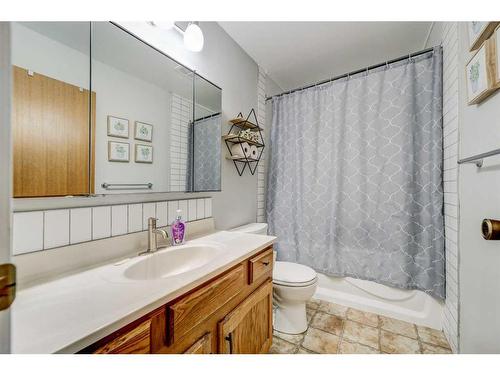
(143, 131)
(118, 151)
(143, 153)
(479, 31)
(118, 127)
(481, 73)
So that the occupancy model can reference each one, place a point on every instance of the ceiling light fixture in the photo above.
(193, 37)
(165, 25)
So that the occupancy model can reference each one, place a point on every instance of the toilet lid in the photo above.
(292, 273)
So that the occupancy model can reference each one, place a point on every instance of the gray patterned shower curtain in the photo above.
(355, 176)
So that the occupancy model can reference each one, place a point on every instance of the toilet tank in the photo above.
(254, 228)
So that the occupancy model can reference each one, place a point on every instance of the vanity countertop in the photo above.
(68, 314)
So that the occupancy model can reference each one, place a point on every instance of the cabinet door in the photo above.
(136, 341)
(202, 346)
(248, 328)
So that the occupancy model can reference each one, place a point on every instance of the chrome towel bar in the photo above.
(107, 186)
(478, 159)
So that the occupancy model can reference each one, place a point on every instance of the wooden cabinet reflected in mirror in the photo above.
(51, 136)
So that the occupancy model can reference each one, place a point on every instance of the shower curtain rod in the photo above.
(409, 56)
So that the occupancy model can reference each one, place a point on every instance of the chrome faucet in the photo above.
(152, 233)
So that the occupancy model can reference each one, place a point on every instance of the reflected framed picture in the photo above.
(118, 151)
(143, 154)
(118, 127)
(481, 72)
(143, 131)
(478, 32)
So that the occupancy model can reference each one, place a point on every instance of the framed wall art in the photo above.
(481, 73)
(143, 154)
(118, 151)
(118, 127)
(143, 131)
(478, 32)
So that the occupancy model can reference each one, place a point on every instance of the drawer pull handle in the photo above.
(265, 263)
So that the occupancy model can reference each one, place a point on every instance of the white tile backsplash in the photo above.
(208, 207)
(200, 209)
(162, 214)
(56, 229)
(80, 225)
(183, 206)
(191, 209)
(27, 232)
(172, 208)
(119, 220)
(134, 218)
(101, 222)
(148, 210)
(39, 230)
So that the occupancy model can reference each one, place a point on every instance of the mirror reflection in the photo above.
(98, 111)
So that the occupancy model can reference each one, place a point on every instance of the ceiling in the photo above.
(299, 53)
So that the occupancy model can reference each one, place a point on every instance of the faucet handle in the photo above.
(152, 221)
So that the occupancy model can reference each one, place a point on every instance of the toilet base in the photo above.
(290, 318)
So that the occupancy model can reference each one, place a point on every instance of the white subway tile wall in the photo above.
(80, 225)
(56, 229)
(101, 222)
(261, 169)
(27, 232)
(450, 179)
(119, 220)
(181, 113)
(148, 210)
(41, 230)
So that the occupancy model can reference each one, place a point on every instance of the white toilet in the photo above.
(293, 285)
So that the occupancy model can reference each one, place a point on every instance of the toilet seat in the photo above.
(293, 274)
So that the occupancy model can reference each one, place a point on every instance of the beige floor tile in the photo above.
(432, 336)
(294, 339)
(282, 347)
(305, 351)
(398, 326)
(327, 322)
(363, 317)
(397, 344)
(355, 348)
(320, 342)
(333, 308)
(313, 303)
(360, 333)
(432, 349)
(309, 314)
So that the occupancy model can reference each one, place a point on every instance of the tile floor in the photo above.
(339, 329)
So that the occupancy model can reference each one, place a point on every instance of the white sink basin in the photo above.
(172, 261)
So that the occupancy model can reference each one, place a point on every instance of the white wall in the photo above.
(479, 198)
(446, 34)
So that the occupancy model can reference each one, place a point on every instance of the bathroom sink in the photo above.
(172, 261)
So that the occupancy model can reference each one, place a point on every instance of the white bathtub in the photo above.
(409, 305)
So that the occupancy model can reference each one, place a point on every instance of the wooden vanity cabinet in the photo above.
(231, 313)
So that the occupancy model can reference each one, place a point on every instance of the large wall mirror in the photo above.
(98, 111)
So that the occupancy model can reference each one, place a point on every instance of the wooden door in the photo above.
(51, 137)
(248, 328)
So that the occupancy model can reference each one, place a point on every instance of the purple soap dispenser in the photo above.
(178, 230)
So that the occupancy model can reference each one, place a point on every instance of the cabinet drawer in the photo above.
(135, 341)
(202, 346)
(260, 265)
(194, 308)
